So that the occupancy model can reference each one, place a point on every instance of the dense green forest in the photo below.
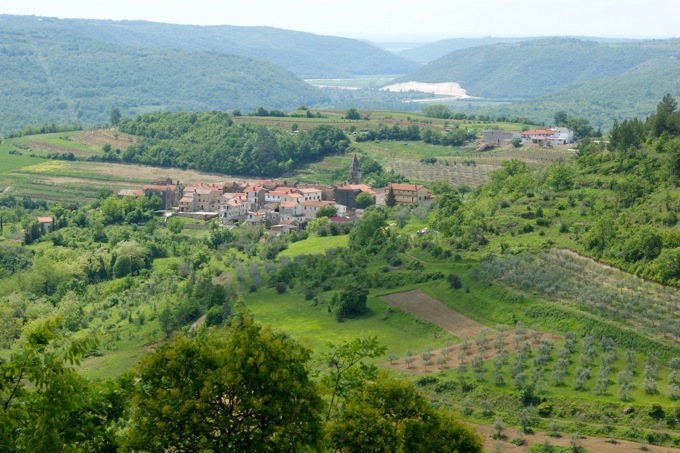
(211, 142)
(305, 54)
(71, 81)
(608, 99)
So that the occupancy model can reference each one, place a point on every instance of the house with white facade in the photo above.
(255, 194)
(277, 195)
(554, 136)
(290, 210)
(232, 209)
(310, 193)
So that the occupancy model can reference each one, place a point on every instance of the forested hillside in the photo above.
(72, 81)
(604, 100)
(305, 54)
(540, 67)
(432, 51)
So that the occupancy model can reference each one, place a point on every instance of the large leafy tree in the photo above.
(447, 209)
(351, 301)
(391, 416)
(369, 233)
(246, 389)
(46, 406)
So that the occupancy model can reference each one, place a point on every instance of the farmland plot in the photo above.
(563, 275)
(430, 309)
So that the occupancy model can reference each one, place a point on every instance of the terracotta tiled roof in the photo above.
(318, 203)
(45, 219)
(538, 132)
(130, 193)
(412, 187)
(158, 187)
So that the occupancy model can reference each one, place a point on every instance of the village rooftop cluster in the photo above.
(281, 205)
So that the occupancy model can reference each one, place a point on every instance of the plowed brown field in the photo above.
(430, 309)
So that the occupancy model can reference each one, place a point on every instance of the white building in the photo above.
(232, 210)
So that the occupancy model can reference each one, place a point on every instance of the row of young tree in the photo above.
(413, 132)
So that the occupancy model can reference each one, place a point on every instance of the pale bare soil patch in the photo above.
(51, 148)
(123, 173)
(223, 279)
(147, 173)
(452, 89)
(100, 137)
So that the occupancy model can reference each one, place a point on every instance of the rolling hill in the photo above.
(305, 54)
(632, 94)
(530, 69)
(69, 81)
(429, 52)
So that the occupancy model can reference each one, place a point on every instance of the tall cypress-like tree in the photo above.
(391, 198)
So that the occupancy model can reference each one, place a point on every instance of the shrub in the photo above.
(281, 287)
(352, 301)
(427, 380)
(455, 281)
(445, 386)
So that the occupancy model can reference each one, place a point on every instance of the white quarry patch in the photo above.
(451, 89)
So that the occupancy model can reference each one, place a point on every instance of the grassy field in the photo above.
(310, 323)
(315, 244)
(62, 180)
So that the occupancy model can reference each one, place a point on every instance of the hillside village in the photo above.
(282, 206)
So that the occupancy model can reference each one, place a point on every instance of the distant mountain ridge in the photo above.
(540, 67)
(426, 53)
(305, 54)
(602, 101)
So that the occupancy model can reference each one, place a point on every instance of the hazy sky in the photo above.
(389, 20)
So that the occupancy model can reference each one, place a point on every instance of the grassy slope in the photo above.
(315, 327)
